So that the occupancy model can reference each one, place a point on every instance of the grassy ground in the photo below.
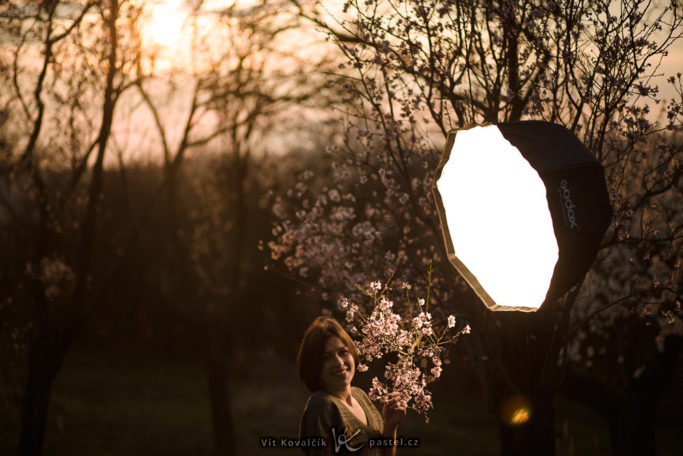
(115, 405)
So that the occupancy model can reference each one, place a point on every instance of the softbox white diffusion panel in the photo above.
(523, 208)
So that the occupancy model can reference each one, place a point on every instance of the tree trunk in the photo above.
(218, 382)
(42, 370)
(54, 333)
(515, 356)
(219, 396)
(34, 416)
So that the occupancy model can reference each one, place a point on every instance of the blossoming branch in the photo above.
(412, 338)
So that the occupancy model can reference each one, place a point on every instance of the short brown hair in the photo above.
(312, 350)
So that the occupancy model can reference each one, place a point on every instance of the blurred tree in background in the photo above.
(91, 228)
(241, 87)
(52, 183)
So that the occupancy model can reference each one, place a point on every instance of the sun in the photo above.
(165, 22)
(171, 31)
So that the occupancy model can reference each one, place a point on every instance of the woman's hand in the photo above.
(392, 413)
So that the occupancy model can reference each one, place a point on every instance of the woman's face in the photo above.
(338, 366)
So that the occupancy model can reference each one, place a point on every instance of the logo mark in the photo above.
(568, 204)
(343, 441)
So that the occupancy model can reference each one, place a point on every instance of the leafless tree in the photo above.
(52, 179)
(243, 90)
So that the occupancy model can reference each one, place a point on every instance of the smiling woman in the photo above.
(338, 416)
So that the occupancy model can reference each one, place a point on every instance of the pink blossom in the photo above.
(351, 312)
(334, 195)
(378, 391)
(385, 304)
(384, 331)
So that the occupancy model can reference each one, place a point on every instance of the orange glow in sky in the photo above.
(164, 25)
(177, 36)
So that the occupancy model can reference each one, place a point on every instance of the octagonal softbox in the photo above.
(523, 208)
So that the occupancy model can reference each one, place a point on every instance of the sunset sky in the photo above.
(177, 39)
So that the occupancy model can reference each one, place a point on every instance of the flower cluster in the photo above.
(412, 340)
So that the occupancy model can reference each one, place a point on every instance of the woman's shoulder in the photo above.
(360, 394)
(319, 415)
(319, 397)
(320, 401)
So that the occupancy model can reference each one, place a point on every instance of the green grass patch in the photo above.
(120, 405)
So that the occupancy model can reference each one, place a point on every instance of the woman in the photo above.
(340, 418)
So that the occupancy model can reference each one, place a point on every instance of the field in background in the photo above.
(114, 405)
